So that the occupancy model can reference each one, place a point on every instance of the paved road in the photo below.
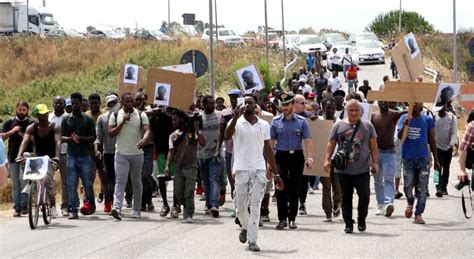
(446, 234)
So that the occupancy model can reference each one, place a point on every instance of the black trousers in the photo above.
(290, 167)
(444, 158)
(109, 168)
(361, 183)
(304, 188)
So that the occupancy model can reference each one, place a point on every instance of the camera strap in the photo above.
(347, 150)
(463, 202)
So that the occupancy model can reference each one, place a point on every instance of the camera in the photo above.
(461, 185)
(192, 117)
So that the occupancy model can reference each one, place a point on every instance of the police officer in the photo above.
(289, 130)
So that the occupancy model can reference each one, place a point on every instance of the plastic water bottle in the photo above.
(436, 176)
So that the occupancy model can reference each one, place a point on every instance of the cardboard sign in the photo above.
(131, 79)
(249, 79)
(266, 117)
(407, 57)
(184, 68)
(397, 91)
(36, 168)
(320, 130)
(169, 88)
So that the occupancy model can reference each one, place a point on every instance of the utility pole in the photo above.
(217, 26)
(400, 18)
(211, 49)
(283, 33)
(28, 17)
(169, 12)
(44, 3)
(266, 34)
(455, 47)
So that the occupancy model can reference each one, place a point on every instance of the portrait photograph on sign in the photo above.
(249, 79)
(36, 168)
(162, 94)
(412, 45)
(446, 92)
(131, 74)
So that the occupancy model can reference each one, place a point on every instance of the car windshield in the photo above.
(47, 19)
(335, 37)
(366, 37)
(291, 39)
(368, 45)
(156, 33)
(273, 37)
(310, 40)
(226, 33)
(342, 49)
(73, 33)
(110, 33)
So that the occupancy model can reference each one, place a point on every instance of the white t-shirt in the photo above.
(347, 59)
(335, 83)
(306, 88)
(131, 132)
(335, 58)
(248, 144)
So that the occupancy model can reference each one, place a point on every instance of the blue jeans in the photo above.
(352, 84)
(384, 181)
(79, 166)
(210, 170)
(416, 168)
(20, 200)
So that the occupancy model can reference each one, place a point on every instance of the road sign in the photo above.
(188, 18)
(198, 59)
(470, 67)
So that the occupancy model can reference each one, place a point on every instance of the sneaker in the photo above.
(85, 210)
(419, 220)
(328, 219)
(336, 212)
(136, 214)
(116, 214)
(203, 197)
(108, 207)
(207, 211)
(73, 215)
(221, 200)
(310, 190)
(214, 212)
(349, 227)
(379, 210)
(65, 212)
(199, 190)
(265, 215)
(293, 225)
(53, 212)
(316, 188)
(100, 198)
(254, 247)
(439, 193)
(281, 225)
(151, 207)
(24, 211)
(398, 195)
(361, 226)
(302, 209)
(174, 212)
(409, 211)
(189, 220)
(389, 210)
(243, 236)
(16, 214)
(178, 209)
(164, 211)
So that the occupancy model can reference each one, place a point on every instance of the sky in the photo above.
(245, 15)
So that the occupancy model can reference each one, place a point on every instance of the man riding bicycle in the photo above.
(47, 142)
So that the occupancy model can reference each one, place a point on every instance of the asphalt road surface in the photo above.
(446, 232)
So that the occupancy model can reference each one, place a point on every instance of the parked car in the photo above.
(331, 39)
(64, 34)
(111, 34)
(150, 35)
(354, 38)
(341, 49)
(370, 52)
(309, 44)
(226, 36)
(290, 42)
(273, 40)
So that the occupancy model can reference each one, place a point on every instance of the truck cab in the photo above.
(40, 21)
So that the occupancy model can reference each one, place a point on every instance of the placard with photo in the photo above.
(130, 74)
(36, 168)
(162, 94)
(446, 92)
(249, 79)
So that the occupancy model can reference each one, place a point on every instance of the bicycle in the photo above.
(38, 198)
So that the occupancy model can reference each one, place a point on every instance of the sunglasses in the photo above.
(303, 103)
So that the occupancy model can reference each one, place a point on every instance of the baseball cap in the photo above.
(235, 92)
(40, 109)
(110, 98)
(68, 102)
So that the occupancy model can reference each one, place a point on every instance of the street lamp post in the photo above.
(217, 26)
(211, 49)
(169, 12)
(455, 49)
(283, 33)
(400, 18)
(266, 34)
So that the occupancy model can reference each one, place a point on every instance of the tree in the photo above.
(386, 24)
(308, 30)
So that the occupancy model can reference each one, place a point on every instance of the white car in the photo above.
(290, 43)
(309, 44)
(370, 52)
(228, 37)
(355, 38)
(341, 49)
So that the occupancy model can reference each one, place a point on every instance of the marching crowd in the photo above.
(135, 149)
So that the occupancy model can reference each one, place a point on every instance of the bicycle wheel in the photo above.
(45, 208)
(33, 206)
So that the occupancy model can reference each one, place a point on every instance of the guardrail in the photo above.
(431, 72)
(290, 65)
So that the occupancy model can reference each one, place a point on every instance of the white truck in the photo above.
(16, 17)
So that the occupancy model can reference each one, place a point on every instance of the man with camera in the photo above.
(357, 154)
(251, 135)
(183, 145)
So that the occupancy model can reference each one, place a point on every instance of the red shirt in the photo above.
(352, 73)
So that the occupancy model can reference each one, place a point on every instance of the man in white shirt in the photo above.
(335, 82)
(57, 117)
(346, 63)
(304, 87)
(335, 60)
(251, 136)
